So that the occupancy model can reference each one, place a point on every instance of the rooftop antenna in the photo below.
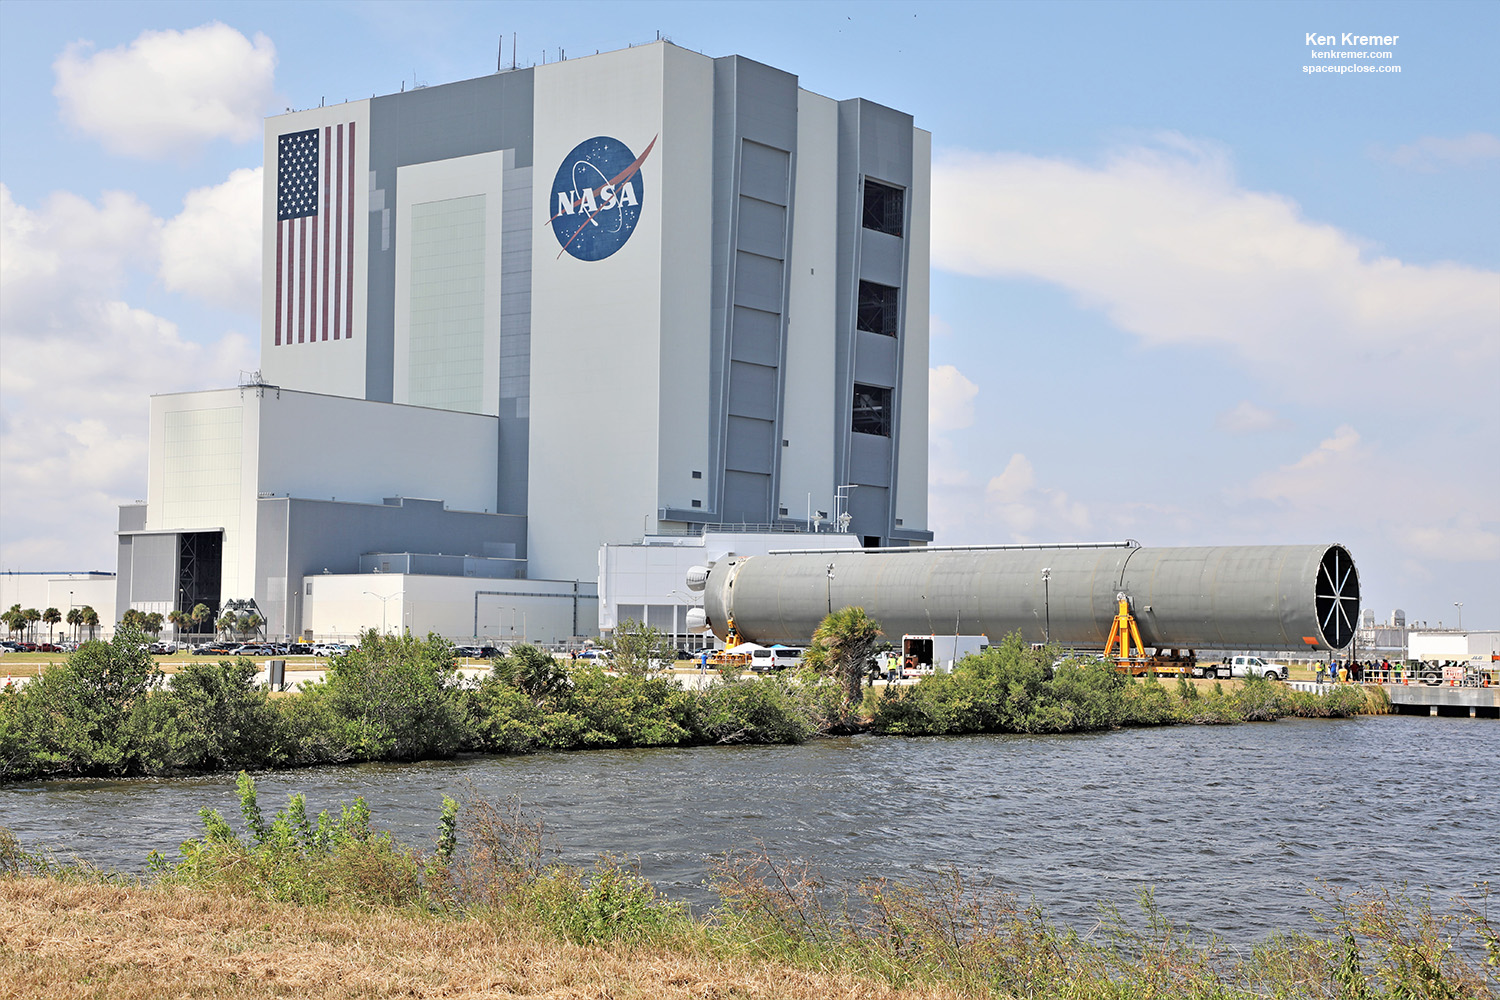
(512, 50)
(499, 52)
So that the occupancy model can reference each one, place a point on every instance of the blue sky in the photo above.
(1182, 291)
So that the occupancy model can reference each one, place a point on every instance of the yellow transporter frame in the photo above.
(1124, 634)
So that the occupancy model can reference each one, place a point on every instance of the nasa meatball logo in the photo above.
(596, 197)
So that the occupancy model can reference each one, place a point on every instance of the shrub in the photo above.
(397, 698)
(214, 717)
(311, 730)
(754, 710)
(628, 711)
(292, 860)
(83, 716)
(1260, 700)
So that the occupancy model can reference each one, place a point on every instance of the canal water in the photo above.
(1230, 825)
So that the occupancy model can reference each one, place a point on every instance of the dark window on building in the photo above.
(697, 503)
(872, 541)
(879, 308)
(872, 410)
(697, 474)
(884, 207)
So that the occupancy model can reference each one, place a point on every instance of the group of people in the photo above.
(1355, 671)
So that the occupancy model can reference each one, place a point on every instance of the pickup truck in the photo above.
(1244, 666)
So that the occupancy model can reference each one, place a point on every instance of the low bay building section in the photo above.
(645, 580)
(63, 591)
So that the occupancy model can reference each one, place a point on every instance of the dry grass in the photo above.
(68, 940)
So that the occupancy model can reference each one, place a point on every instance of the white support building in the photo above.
(505, 322)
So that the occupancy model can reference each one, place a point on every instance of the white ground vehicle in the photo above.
(764, 659)
(1246, 666)
(925, 654)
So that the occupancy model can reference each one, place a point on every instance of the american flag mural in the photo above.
(315, 234)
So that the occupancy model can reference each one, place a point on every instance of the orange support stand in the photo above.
(1124, 632)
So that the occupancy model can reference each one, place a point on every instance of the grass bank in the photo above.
(331, 907)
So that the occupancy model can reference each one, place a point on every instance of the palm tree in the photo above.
(89, 618)
(75, 619)
(51, 616)
(153, 623)
(32, 617)
(249, 624)
(14, 619)
(200, 614)
(843, 646)
(227, 622)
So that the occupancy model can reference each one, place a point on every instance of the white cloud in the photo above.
(1326, 475)
(950, 399)
(79, 365)
(1014, 482)
(1246, 418)
(1024, 512)
(168, 92)
(1431, 153)
(1167, 244)
(211, 250)
(1354, 487)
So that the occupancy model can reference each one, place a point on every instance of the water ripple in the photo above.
(1231, 827)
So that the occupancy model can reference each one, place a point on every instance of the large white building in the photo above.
(509, 320)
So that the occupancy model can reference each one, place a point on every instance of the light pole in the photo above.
(693, 601)
(383, 601)
(1460, 606)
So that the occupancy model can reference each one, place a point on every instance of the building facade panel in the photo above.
(597, 323)
(314, 263)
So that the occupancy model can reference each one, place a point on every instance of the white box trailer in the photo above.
(1473, 648)
(926, 654)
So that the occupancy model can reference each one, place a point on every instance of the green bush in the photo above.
(291, 859)
(1010, 688)
(753, 710)
(311, 730)
(82, 716)
(629, 711)
(397, 698)
(213, 718)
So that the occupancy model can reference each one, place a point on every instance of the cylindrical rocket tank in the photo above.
(1241, 597)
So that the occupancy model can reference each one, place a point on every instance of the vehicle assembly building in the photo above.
(1292, 597)
(508, 320)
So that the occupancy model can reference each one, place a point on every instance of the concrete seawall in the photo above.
(1429, 699)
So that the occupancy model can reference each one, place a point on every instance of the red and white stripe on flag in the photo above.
(315, 235)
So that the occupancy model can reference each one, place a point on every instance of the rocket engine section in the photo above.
(1303, 597)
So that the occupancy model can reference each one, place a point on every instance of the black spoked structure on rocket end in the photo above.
(1270, 597)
